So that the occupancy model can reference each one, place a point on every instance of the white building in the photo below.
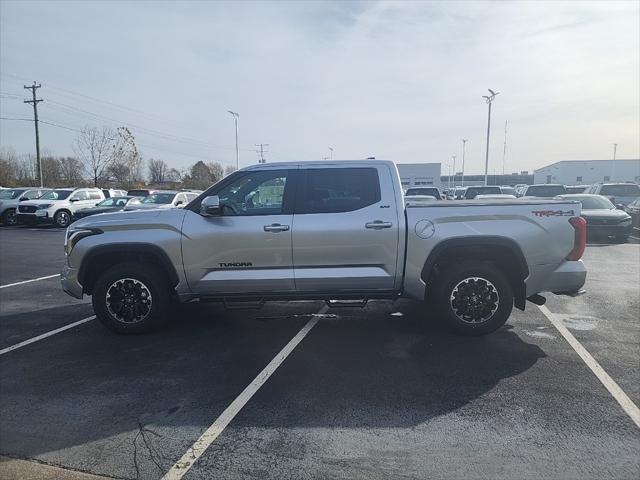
(587, 172)
(419, 174)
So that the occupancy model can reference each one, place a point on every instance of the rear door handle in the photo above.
(378, 225)
(276, 227)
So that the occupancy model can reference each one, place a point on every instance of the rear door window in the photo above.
(630, 190)
(336, 190)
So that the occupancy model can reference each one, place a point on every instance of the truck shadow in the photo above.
(366, 368)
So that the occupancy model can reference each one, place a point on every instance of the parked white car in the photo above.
(11, 197)
(496, 196)
(58, 206)
(164, 199)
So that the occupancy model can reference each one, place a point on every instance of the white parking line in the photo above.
(29, 281)
(614, 389)
(182, 466)
(45, 335)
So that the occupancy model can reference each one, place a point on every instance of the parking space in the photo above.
(379, 392)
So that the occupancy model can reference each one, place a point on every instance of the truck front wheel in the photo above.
(475, 298)
(131, 298)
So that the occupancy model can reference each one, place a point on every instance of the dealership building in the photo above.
(419, 174)
(587, 172)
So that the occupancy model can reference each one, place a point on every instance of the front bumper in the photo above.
(606, 230)
(69, 281)
(40, 216)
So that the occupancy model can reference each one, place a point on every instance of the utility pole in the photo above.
(235, 118)
(262, 151)
(454, 171)
(489, 99)
(330, 153)
(35, 102)
(613, 163)
(464, 142)
(504, 148)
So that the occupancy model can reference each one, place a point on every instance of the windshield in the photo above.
(10, 194)
(545, 190)
(629, 190)
(423, 191)
(114, 202)
(56, 195)
(159, 198)
(473, 191)
(508, 190)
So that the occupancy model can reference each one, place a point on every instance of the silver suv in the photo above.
(58, 206)
(617, 193)
(11, 198)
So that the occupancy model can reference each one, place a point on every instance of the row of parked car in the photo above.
(61, 206)
(612, 210)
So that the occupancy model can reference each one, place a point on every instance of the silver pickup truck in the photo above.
(328, 231)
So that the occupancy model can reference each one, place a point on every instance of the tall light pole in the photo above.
(330, 153)
(504, 148)
(613, 164)
(464, 142)
(235, 118)
(489, 99)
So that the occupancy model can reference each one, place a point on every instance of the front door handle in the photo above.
(276, 227)
(378, 225)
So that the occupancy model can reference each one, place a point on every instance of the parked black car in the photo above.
(113, 204)
(604, 220)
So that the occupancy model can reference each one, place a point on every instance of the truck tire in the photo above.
(9, 217)
(62, 218)
(132, 298)
(474, 298)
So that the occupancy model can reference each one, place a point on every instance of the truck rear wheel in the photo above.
(132, 298)
(475, 298)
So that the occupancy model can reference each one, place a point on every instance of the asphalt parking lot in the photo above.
(379, 392)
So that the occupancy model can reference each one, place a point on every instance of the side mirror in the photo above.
(210, 206)
(619, 206)
(22, 199)
(73, 199)
(179, 203)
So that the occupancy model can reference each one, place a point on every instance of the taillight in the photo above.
(580, 241)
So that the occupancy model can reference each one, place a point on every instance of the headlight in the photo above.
(43, 206)
(74, 235)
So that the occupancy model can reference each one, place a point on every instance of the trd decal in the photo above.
(553, 213)
(236, 264)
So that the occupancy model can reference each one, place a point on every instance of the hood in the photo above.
(148, 206)
(133, 218)
(93, 210)
(40, 202)
(602, 213)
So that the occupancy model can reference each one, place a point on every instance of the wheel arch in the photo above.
(102, 257)
(500, 250)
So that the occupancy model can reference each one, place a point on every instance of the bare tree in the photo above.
(174, 175)
(216, 172)
(8, 166)
(229, 169)
(158, 170)
(70, 170)
(96, 149)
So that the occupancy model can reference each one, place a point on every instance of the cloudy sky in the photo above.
(394, 80)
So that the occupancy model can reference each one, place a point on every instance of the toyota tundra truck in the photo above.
(326, 231)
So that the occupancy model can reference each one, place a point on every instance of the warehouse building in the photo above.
(419, 174)
(587, 172)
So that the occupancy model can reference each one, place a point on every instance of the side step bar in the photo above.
(537, 299)
(358, 303)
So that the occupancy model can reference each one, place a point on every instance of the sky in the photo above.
(395, 80)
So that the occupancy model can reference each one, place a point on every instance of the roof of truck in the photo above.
(314, 163)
